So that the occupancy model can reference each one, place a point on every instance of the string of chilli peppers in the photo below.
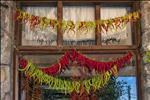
(82, 60)
(41, 75)
(68, 86)
(101, 25)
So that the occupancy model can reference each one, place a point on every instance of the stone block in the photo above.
(5, 81)
(5, 35)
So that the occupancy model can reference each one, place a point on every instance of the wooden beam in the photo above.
(138, 74)
(92, 48)
(17, 43)
(40, 3)
(16, 33)
(64, 50)
(80, 0)
(136, 26)
(97, 33)
(19, 82)
(59, 17)
(14, 75)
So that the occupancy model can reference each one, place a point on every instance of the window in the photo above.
(122, 35)
(76, 14)
(39, 36)
(127, 74)
(44, 47)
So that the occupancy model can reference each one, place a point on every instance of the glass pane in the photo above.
(130, 88)
(124, 85)
(76, 14)
(121, 35)
(42, 61)
(38, 36)
(127, 75)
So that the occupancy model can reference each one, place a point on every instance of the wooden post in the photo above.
(59, 17)
(97, 33)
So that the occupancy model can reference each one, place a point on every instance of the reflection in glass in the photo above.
(131, 90)
(76, 14)
(118, 85)
(121, 35)
(40, 36)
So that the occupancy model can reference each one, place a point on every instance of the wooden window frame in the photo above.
(60, 49)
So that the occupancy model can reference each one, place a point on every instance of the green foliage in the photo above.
(148, 56)
(114, 89)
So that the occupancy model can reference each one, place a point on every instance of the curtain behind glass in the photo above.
(47, 36)
(124, 33)
(76, 14)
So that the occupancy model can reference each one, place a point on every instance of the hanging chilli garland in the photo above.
(64, 61)
(53, 69)
(43, 22)
(43, 75)
(100, 66)
(147, 57)
(95, 82)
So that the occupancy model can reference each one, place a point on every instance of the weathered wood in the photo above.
(136, 6)
(94, 47)
(63, 51)
(79, 0)
(16, 33)
(138, 75)
(59, 17)
(97, 33)
(14, 75)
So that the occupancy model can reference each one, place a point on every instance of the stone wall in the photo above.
(6, 50)
(145, 7)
